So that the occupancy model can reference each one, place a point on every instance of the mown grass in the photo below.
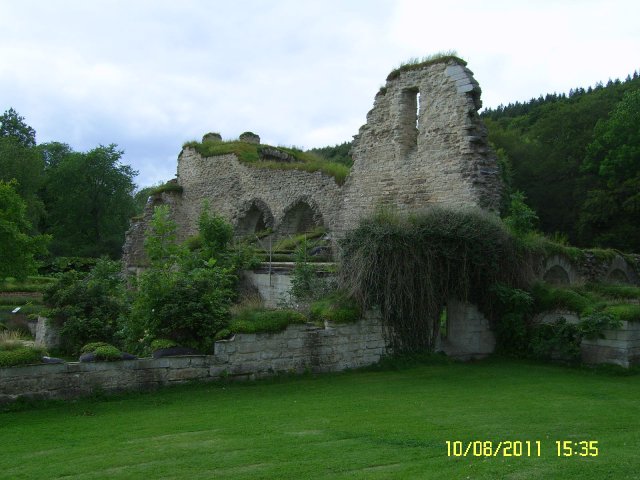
(248, 153)
(363, 425)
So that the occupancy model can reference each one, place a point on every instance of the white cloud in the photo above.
(150, 75)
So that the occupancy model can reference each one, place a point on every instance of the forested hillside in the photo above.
(576, 157)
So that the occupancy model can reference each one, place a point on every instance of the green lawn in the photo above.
(369, 425)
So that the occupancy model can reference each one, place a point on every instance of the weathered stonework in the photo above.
(423, 144)
(561, 270)
(244, 357)
(233, 189)
(619, 347)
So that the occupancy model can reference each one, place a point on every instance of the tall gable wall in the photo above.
(423, 143)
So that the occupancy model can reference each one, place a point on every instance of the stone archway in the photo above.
(300, 217)
(557, 275)
(618, 276)
(256, 216)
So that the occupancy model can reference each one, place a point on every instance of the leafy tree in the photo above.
(53, 153)
(141, 196)
(522, 218)
(19, 160)
(338, 153)
(88, 306)
(183, 296)
(90, 200)
(19, 249)
(545, 141)
(13, 125)
(611, 212)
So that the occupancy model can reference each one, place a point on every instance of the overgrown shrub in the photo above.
(87, 306)
(91, 347)
(161, 343)
(512, 315)
(410, 267)
(559, 340)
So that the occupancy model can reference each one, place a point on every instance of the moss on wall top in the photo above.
(254, 155)
(418, 63)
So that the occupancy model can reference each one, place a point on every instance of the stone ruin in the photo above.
(424, 143)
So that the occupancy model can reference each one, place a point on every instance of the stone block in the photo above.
(186, 374)
(244, 347)
(295, 343)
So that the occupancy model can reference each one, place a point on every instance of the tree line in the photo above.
(75, 203)
(576, 158)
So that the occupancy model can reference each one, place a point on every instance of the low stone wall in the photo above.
(619, 347)
(246, 356)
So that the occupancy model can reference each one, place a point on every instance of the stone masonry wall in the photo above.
(246, 356)
(619, 347)
(133, 255)
(231, 188)
(423, 143)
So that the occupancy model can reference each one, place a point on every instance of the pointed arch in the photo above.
(301, 216)
(255, 216)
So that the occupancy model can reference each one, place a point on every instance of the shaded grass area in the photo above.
(367, 425)
(248, 153)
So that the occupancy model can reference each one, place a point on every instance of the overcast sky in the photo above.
(149, 75)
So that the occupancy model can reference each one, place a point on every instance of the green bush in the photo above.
(91, 347)
(87, 306)
(513, 310)
(161, 343)
(184, 296)
(624, 312)
(20, 356)
(593, 326)
(107, 353)
(335, 308)
(559, 340)
(548, 297)
(254, 320)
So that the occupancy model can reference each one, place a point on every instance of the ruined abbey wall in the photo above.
(423, 144)
(234, 190)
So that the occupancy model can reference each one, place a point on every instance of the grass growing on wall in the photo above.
(365, 425)
(418, 63)
(613, 300)
(261, 320)
(248, 153)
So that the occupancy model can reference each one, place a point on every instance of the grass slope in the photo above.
(367, 425)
